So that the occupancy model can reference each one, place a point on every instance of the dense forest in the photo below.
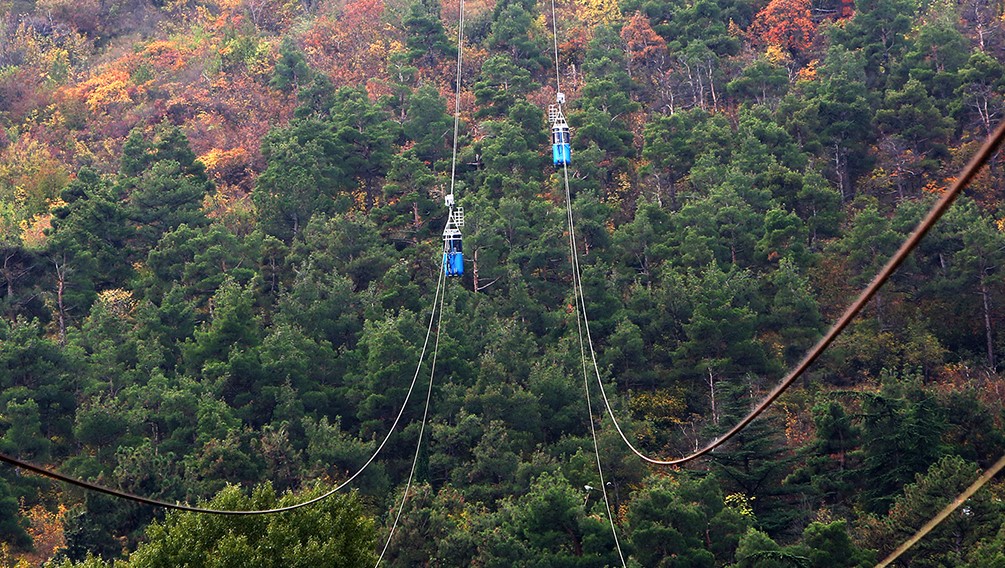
(220, 236)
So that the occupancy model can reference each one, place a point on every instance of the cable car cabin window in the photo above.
(453, 258)
(560, 135)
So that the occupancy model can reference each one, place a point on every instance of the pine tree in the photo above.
(291, 69)
(755, 461)
(427, 40)
(900, 438)
(11, 524)
(428, 125)
(163, 183)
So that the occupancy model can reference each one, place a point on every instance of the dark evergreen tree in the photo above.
(197, 261)
(819, 206)
(755, 461)
(684, 522)
(316, 99)
(840, 116)
(33, 366)
(915, 134)
(866, 245)
(412, 210)
(721, 343)
(550, 527)
(347, 245)
(880, 30)
(429, 125)
(954, 538)
(978, 99)
(829, 544)
(302, 177)
(605, 105)
(11, 523)
(164, 185)
(901, 436)
(670, 148)
(335, 533)
(762, 82)
(291, 69)
(23, 436)
(960, 261)
(96, 223)
(367, 137)
(512, 33)
(20, 270)
(500, 83)
(938, 53)
(827, 475)
(427, 40)
(795, 314)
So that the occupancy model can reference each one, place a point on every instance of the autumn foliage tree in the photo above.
(645, 48)
(351, 47)
(786, 24)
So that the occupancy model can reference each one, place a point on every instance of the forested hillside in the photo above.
(220, 243)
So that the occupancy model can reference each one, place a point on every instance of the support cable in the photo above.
(986, 151)
(440, 293)
(90, 486)
(945, 512)
(577, 285)
(422, 430)
(554, 35)
(586, 380)
(457, 99)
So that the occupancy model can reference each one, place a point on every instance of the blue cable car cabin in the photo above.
(453, 255)
(453, 252)
(561, 151)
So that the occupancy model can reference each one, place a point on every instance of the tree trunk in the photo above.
(8, 275)
(879, 310)
(711, 390)
(842, 175)
(474, 270)
(60, 308)
(988, 331)
(577, 546)
(273, 285)
(711, 86)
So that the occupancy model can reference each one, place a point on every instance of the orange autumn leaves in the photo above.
(216, 87)
(353, 48)
(785, 24)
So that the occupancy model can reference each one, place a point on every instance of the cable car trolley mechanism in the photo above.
(453, 254)
(561, 152)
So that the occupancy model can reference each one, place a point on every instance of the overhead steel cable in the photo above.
(422, 430)
(436, 343)
(577, 298)
(986, 151)
(945, 512)
(586, 380)
(91, 486)
(554, 35)
(457, 93)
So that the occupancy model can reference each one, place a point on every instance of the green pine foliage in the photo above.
(220, 241)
